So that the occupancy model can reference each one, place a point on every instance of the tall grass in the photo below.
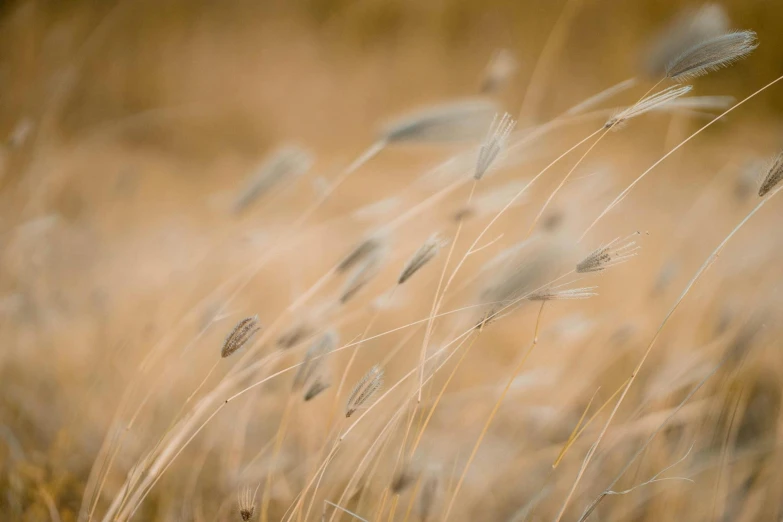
(460, 338)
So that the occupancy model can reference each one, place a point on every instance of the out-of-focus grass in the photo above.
(148, 116)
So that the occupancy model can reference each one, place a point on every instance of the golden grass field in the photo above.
(143, 217)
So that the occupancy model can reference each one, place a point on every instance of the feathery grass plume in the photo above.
(289, 161)
(242, 332)
(493, 145)
(295, 334)
(427, 496)
(313, 358)
(711, 55)
(247, 503)
(315, 389)
(615, 252)
(361, 275)
(654, 101)
(363, 250)
(456, 121)
(499, 70)
(364, 390)
(773, 176)
(686, 30)
(422, 256)
(553, 294)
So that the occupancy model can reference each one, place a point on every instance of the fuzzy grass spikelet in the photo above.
(287, 162)
(364, 390)
(455, 121)
(649, 103)
(361, 252)
(609, 255)
(493, 144)
(685, 31)
(247, 503)
(315, 389)
(359, 278)
(422, 256)
(242, 332)
(553, 294)
(773, 176)
(712, 54)
(313, 357)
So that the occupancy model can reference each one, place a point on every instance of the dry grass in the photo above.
(527, 338)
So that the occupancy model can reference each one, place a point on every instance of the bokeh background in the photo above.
(130, 126)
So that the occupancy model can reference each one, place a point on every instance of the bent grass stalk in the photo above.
(707, 263)
(255, 270)
(495, 409)
(578, 430)
(486, 229)
(435, 302)
(625, 192)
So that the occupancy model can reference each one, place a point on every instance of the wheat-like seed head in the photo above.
(247, 503)
(360, 252)
(712, 54)
(773, 176)
(617, 251)
(649, 103)
(685, 31)
(493, 145)
(313, 358)
(242, 332)
(455, 121)
(361, 275)
(295, 334)
(287, 162)
(364, 390)
(553, 294)
(315, 389)
(422, 256)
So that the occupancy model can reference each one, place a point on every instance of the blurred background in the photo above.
(129, 128)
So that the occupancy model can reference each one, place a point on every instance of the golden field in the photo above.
(597, 314)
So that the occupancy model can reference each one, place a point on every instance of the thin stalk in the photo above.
(438, 297)
(494, 412)
(707, 263)
(625, 192)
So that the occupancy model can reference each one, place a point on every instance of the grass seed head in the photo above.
(287, 162)
(649, 103)
(712, 54)
(686, 30)
(494, 144)
(616, 252)
(313, 358)
(364, 390)
(361, 252)
(773, 176)
(359, 278)
(242, 332)
(554, 294)
(456, 121)
(422, 256)
(315, 389)
(247, 503)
